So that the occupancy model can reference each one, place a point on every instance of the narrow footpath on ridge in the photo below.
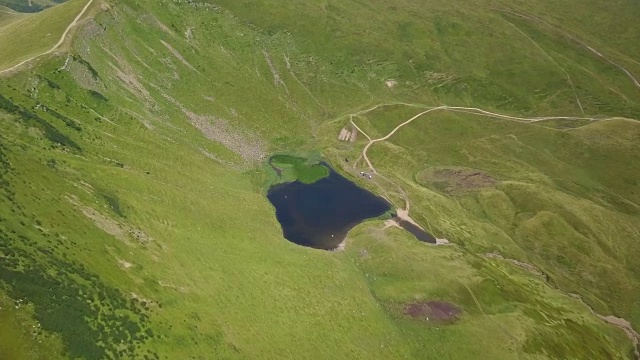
(57, 45)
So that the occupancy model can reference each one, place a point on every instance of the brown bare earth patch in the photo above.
(433, 311)
(455, 179)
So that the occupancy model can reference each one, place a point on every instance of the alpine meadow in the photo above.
(141, 141)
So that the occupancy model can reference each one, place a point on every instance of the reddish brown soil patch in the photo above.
(433, 310)
(455, 179)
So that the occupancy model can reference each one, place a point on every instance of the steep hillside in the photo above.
(30, 35)
(134, 221)
(29, 6)
(7, 16)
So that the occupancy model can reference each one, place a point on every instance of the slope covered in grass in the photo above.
(29, 6)
(7, 16)
(134, 221)
(563, 199)
(34, 34)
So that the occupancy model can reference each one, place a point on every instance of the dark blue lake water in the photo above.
(320, 214)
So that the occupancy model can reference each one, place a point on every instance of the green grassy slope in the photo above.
(29, 6)
(564, 199)
(7, 16)
(473, 54)
(34, 34)
(133, 221)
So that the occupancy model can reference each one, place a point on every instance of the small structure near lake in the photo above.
(347, 135)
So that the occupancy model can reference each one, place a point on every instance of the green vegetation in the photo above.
(558, 199)
(133, 221)
(30, 5)
(33, 34)
(7, 16)
(293, 168)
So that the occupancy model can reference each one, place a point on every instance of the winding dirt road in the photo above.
(621, 323)
(57, 45)
(428, 109)
(461, 109)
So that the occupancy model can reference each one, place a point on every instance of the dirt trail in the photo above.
(468, 110)
(505, 331)
(624, 325)
(620, 323)
(576, 40)
(357, 128)
(57, 45)
(557, 64)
